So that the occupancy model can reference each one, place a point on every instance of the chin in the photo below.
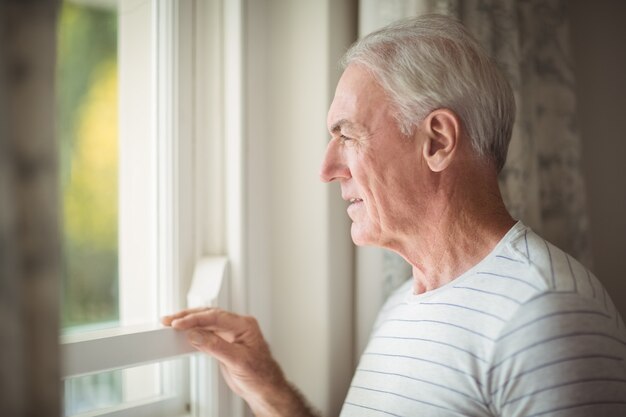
(362, 237)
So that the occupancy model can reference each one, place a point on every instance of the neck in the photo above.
(464, 224)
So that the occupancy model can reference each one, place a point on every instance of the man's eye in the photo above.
(344, 138)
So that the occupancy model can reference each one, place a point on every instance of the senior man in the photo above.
(495, 321)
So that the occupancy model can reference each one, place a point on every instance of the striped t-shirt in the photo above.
(528, 332)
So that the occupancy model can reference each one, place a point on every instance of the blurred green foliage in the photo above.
(87, 131)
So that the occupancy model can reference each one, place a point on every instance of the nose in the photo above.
(333, 165)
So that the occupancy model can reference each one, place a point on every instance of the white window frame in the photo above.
(197, 127)
(127, 346)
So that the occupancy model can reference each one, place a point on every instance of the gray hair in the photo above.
(431, 62)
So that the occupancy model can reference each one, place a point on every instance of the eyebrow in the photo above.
(336, 127)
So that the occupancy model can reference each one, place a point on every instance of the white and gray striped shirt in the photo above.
(528, 332)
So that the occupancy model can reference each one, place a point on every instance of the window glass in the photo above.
(88, 136)
(123, 388)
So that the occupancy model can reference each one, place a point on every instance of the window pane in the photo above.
(92, 392)
(88, 135)
(124, 388)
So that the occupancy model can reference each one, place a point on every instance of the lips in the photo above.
(355, 200)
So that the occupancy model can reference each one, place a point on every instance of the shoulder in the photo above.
(560, 350)
(527, 259)
(563, 347)
(566, 296)
(555, 269)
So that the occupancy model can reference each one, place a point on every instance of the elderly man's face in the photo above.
(379, 169)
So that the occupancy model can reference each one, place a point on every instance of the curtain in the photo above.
(541, 183)
(29, 239)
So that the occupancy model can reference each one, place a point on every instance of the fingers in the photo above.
(215, 320)
(229, 326)
(167, 320)
(211, 344)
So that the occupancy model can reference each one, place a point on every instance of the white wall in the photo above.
(598, 33)
(300, 250)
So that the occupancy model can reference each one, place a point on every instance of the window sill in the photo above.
(121, 347)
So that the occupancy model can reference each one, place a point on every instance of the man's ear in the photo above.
(442, 129)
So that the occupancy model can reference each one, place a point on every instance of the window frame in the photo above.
(127, 346)
(197, 117)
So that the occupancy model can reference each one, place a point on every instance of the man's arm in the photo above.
(245, 360)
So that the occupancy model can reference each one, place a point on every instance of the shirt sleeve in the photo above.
(561, 355)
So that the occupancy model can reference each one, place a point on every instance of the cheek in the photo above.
(377, 195)
(393, 191)
(374, 172)
(382, 178)
(386, 177)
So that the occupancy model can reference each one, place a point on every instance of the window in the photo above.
(87, 128)
(145, 136)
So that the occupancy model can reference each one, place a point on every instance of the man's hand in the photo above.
(245, 359)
